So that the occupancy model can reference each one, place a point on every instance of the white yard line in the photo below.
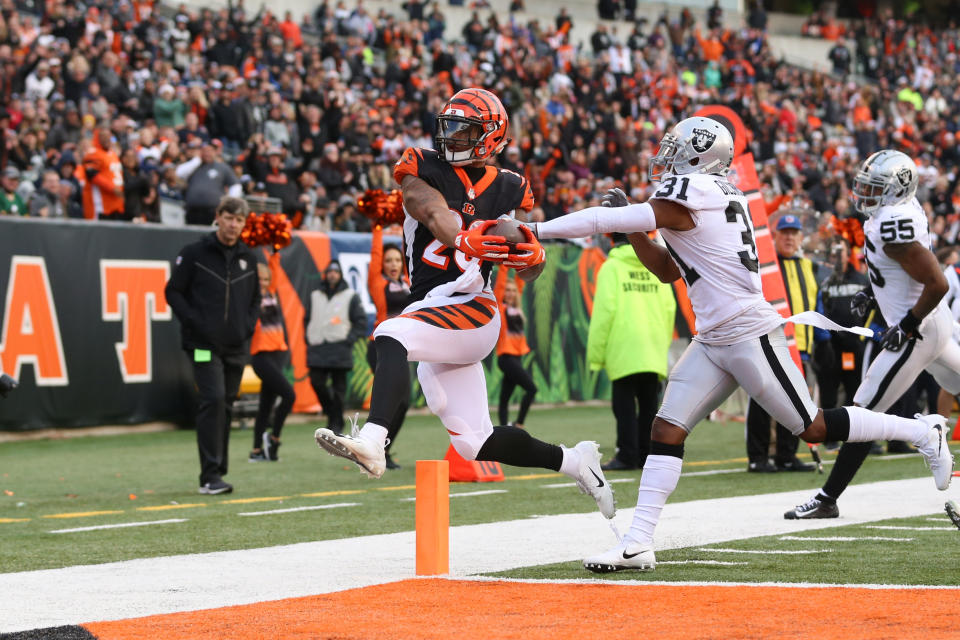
(845, 538)
(148, 586)
(719, 563)
(118, 526)
(768, 552)
(466, 494)
(892, 527)
(291, 510)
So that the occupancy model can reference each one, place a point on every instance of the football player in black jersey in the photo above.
(452, 195)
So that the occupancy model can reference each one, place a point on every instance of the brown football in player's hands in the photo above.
(509, 229)
(531, 273)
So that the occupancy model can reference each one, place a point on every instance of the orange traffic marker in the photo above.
(433, 517)
(463, 470)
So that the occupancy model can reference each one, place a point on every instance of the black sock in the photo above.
(837, 423)
(516, 447)
(391, 382)
(824, 498)
(849, 459)
(661, 449)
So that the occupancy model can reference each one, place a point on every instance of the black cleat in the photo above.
(814, 508)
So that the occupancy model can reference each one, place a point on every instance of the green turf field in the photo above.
(53, 485)
(912, 551)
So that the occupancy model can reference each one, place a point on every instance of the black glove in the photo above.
(860, 304)
(614, 198)
(899, 334)
(7, 384)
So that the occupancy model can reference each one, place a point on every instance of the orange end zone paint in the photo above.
(438, 608)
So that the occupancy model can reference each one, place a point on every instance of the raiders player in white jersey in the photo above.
(908, 287)
(740, 341)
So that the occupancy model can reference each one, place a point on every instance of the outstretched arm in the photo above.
(632, 218)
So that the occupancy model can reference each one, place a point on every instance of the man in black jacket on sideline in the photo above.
(215, 295)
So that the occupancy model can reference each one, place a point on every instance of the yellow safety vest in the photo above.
(801, 285)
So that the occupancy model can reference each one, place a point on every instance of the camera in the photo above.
(7, 384)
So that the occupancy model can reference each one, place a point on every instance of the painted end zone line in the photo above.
(118, 526)
(291, 510)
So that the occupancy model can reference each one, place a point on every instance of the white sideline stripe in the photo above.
(700, 583)
(845, 538)
(151, 586)
(119, 525)
(940, 519)
(893, 527)
(291, 510)
(771, 552)
(466, 494)
(719, 563)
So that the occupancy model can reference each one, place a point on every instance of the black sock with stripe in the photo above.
(391, 382)
(516, 447)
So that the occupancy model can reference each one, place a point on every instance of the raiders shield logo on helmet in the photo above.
(903, 176)
(702, 140)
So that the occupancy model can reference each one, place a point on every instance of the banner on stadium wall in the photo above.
(86, 330)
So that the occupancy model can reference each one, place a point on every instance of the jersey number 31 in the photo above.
(748, 256)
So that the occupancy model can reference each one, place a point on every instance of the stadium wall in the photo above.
(86, 330)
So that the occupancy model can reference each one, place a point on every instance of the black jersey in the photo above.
(472, 193)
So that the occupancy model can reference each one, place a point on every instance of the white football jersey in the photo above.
(895, 291)
(718, 258)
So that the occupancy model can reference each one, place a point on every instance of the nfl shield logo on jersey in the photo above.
(702, 140)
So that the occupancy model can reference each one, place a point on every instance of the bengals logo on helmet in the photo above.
(471, 126)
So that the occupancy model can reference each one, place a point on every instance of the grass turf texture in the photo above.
(103, 473)
(924, 557)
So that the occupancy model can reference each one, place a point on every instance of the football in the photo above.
(509, 229)
(531, 273)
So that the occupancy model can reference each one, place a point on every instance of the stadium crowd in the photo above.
(145, 103)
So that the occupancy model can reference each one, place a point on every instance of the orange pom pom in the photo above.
(382, 208)
(270, 229)
(849, 229)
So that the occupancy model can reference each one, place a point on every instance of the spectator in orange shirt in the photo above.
(102, 177)
(291, 30)
(269, 349)
(511, 347)
(711, 45)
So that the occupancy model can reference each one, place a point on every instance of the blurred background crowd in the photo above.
(163, 107)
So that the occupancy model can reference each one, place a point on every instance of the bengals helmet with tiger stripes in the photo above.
(471, 127)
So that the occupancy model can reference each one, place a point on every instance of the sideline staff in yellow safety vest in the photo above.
(630, 332)
(800, 280)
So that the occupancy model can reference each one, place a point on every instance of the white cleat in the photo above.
(366, 454)
(591, 480)
(935, 450)
(626, 556)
